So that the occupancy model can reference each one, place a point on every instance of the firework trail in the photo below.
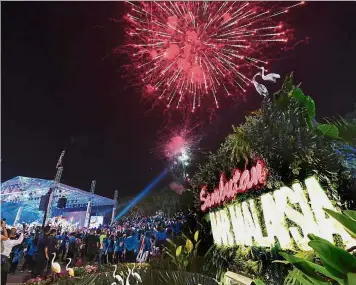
(189, 52)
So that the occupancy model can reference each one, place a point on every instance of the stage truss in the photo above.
(28, 191)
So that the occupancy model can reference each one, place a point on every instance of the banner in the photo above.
(96, 221)
(287, 215)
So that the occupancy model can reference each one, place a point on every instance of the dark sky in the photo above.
(61, 87)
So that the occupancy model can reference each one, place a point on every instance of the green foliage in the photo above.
(183, 255)
(347, 220)
(347, 130)
(258, 282)
(284, 134)
(306, 101)
(238, 145)
(328, 130)
(336, 264)
(196, 236)
(150, 276)
(182, 278)
(295, 275)
(255, 262)
(339, 129)
(281, 135)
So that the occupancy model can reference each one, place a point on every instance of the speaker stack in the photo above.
(43, 203)
(62, 203)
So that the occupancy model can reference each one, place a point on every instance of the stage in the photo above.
(21, 196)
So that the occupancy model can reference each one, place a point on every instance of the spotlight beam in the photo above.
(143, 193)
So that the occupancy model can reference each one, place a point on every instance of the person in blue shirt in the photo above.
(161, 237)
(28, 240)
(132, 245)
(110, 249)
(119, 248)
(18, 253)
(148, 242)
(63, 246)
(106, 242)
(29, 260)
(72, 246)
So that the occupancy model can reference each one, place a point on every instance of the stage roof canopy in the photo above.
(25, 189)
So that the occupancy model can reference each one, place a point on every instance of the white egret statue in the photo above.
(70, 270)
(118, 278)
(56, 268)
(270, 76)
(128, 277)
(260, 88)
(136, 276)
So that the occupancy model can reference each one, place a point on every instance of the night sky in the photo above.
(62, 87)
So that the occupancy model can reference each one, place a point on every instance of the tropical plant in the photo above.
(258, 282)
(284, 134)
(253, 262)
(183, 278)
(184, 255)
(238, 145)
(335, 265)
(294, 274)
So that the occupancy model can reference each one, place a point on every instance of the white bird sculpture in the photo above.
(56, 268)
(70, 270)
(136, 276)
(128, 277)
(118, 278)
(270, 76)
(260, 88)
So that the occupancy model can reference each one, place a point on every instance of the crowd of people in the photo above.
(130, 240)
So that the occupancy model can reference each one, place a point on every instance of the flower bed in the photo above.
(87, 275)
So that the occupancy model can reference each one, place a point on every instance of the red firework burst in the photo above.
(187, 51)
(178, 144)
(179, 147)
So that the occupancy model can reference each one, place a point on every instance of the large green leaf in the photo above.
(314, 237)
(305, 101)
(305, 280)
(351, 214)
(189, 245)
(178, 250)
(347, 222)
(299, 95)
(310, 104)
(336, 260)
(258, 282)
(328, 130)
(196, 236)
(351, 278)
(308, 268)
